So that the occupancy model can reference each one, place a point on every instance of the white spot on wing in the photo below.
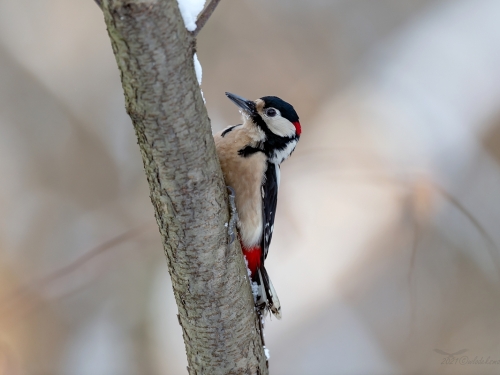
(278, 175)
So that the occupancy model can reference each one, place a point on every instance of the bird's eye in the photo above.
(271, 112)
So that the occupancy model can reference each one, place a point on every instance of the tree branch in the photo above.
(205, 15)
(154, 53)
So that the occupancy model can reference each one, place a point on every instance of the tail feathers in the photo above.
(266, 296)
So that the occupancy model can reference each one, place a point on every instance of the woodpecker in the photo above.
(250, 155)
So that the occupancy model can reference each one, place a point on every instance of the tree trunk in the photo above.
(154, 53)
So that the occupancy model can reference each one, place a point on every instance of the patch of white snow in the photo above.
(190, 9)
(253, 284)
(197, 68)
(266, 352)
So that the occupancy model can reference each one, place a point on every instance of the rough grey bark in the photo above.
(154, 53)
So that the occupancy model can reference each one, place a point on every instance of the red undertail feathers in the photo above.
(253, 256)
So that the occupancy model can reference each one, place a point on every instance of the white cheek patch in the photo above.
(280, 126)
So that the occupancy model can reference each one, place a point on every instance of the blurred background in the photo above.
(385, 253)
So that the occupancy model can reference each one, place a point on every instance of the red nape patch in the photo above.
(298, 129)
(252, 256)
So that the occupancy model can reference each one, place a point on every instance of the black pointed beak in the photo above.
(245, 105)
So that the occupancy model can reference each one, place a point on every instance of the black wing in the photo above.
(269, 201)
(228, 129)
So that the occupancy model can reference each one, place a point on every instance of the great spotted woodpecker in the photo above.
(250, 155)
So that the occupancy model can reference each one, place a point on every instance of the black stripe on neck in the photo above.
(273, 141)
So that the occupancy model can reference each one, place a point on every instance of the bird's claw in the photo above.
(231, 230)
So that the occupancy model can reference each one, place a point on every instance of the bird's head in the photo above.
(273, 115)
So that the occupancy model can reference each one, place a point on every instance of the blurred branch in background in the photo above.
(204, 16)
(22, 299)
(491, 246)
